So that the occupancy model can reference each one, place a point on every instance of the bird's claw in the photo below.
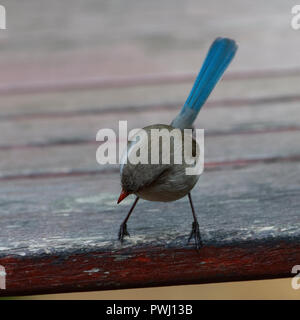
(195, 233)
(123, 232)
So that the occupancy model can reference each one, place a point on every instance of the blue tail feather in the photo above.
(217, 60)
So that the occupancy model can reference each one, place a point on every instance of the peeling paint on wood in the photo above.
(249, 220)
(60, 234)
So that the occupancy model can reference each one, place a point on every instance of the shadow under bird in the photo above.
(169, 182)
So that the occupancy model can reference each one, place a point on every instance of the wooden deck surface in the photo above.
(79, 66)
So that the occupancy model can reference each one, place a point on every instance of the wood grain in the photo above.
(237, 88)
(71, 70)
(65, 239)
(85, 126)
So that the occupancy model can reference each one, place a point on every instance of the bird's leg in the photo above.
(123, 227)
(195, 233)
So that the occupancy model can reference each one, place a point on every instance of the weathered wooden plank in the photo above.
(70, 102)
(117, 82)
(60, 234)
(60, 159)
(85, 127)
(150, 267)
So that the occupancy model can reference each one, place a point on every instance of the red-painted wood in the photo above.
(58, 214)
(148, 266)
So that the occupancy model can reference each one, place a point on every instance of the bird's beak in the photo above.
(123, 195)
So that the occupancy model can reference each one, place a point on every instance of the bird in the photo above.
(166, 182)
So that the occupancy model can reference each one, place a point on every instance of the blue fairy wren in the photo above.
(169, 182)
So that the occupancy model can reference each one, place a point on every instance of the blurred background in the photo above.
(70, 59)
(49, 47)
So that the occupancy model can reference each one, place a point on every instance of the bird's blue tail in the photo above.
(217, 60)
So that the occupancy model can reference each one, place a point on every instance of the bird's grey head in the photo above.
(137, 176)
(130, 178)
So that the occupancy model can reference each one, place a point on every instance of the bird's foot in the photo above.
(195, 233)
(123, 232)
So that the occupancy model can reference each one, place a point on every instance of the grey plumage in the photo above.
(159, 182)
